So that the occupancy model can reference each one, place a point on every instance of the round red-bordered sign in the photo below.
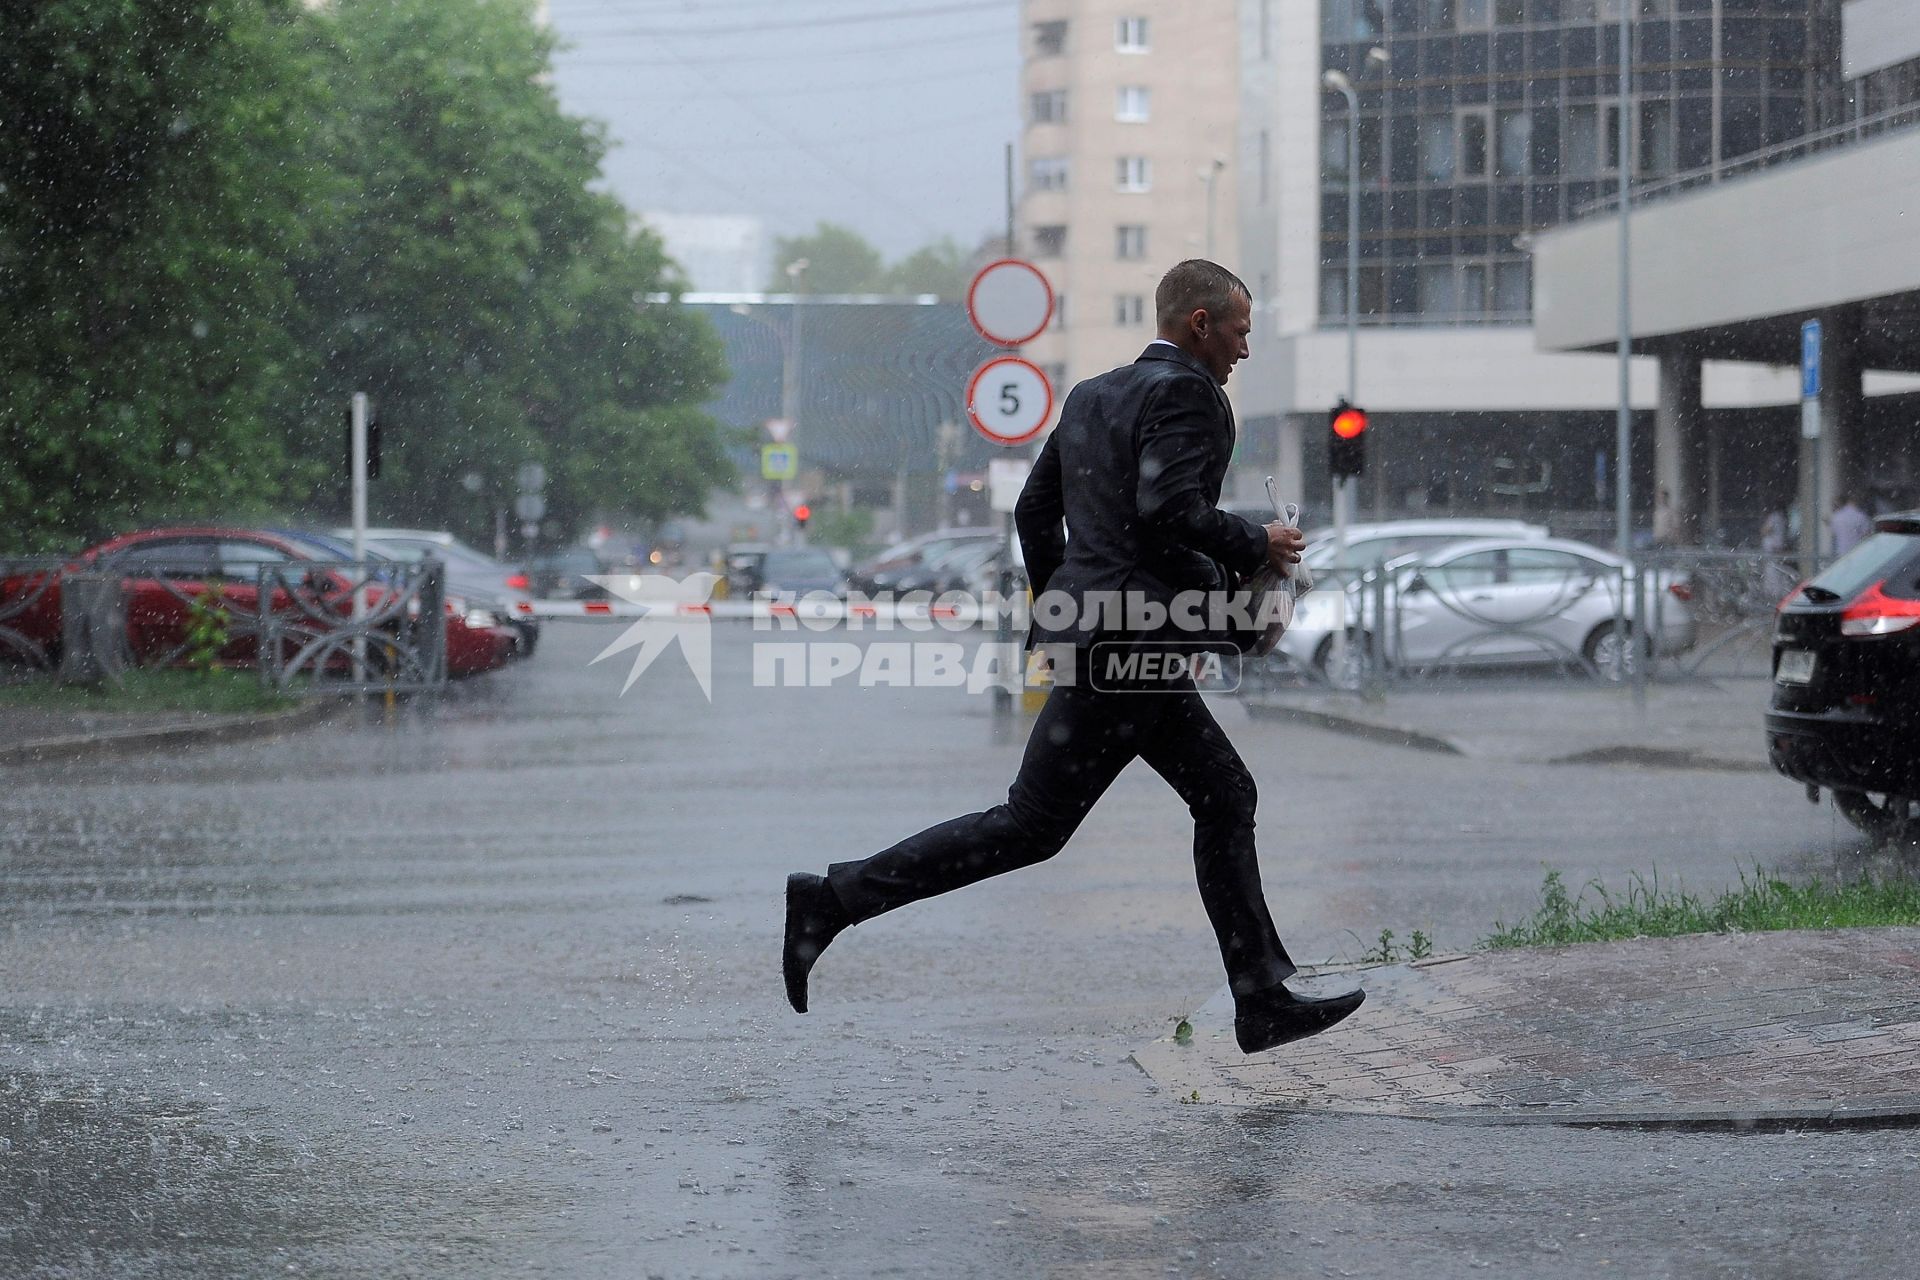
(1018, 400)
(1009, 302)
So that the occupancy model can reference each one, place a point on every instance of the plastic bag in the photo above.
(1274, 594)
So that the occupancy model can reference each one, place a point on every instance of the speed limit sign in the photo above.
(1009, 400)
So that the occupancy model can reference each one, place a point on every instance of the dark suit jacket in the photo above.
(1134, 469)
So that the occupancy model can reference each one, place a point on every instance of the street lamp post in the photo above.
(1210, 174)
(1344, 490)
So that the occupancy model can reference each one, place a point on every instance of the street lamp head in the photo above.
(1378, 57)
(797, 266)
(1336, 80)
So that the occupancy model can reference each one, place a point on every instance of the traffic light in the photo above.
(801, 514)
(1346, 441)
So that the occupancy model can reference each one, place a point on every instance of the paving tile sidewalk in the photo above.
(1695, 725)
(1797, 1027)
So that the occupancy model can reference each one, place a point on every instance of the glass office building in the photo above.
(1492, 119)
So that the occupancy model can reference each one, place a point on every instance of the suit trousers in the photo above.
(1081, 741)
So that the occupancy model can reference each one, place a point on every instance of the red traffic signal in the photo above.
(802, 513)
(1347, 441)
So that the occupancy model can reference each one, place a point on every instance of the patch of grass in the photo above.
(1760, 903)
(219, 691)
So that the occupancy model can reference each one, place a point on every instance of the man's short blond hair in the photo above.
(1195, 285)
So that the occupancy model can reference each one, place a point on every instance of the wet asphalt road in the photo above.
(492, 990)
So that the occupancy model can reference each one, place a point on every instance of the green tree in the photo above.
(943, 268)
(147, 214)
(494, 305)
(839, 260)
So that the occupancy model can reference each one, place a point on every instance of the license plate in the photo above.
(1796, 666)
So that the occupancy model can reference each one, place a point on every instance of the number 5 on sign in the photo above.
(1009, 400)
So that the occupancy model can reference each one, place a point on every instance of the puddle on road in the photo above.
(121, 1183)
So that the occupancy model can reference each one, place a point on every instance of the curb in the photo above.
(116, 741)
(1391, 734)
(1663, 758)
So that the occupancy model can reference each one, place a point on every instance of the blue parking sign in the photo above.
(1810, 360)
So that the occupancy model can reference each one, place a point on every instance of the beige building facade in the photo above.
(1128, 164)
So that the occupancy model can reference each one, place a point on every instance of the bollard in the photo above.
(93, 627)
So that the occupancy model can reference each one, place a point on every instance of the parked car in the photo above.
(1377, 543)
(470, 572)
(1845, 711)
(481, 634)
(794, 571)
(564, 574)
(169, 568)
(1495, 602)
(883, 572)
(743, 566)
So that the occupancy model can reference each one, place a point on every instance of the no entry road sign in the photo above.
(1009, 302)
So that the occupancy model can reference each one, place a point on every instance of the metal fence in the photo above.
(1689, 614)
(27, 601)
(295, 621)
(311, 639)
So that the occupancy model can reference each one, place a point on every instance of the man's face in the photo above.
(1221, 341)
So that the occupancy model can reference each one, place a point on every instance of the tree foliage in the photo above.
(841, 260)
(218, 218)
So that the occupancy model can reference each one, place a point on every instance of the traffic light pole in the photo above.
(357, 450)
(1343, 487)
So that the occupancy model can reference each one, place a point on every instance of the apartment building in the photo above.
(1128, 163)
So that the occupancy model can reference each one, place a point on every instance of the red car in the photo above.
(167, 568)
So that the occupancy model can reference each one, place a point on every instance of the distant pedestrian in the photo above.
(1134, 471)
(1849, 524)
(1773, 532)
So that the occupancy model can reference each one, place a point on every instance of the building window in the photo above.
(1047, 173)
(1472, 13)
(1129, 309)
(1049, 242)
(1473, 144)
(1657, 145)
(1130, 35)
(1130, 104)
(1130, 241)
(1515, 129)
(1439, 292)
(1437, 147)
(1049, 107)
(1512, 290)
(1049, 39)
(1132, 173)
(1580, 149)
(1509, 13)
(1060, 308)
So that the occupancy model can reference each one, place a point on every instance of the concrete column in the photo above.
(1842, 422)
(1680, 448)
(1290, 469)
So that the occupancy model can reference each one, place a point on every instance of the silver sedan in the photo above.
(1492, 602)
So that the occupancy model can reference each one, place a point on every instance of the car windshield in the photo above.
(802, 563)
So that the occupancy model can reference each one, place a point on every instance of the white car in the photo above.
(1376, 543)
(1492, 602)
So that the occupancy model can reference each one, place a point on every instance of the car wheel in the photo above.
(1603, 653)
(1889, 820)
(1355, 668)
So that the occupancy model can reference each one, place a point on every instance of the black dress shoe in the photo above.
(1276, 1016)
(814, 916)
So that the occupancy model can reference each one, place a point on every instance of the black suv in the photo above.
(1846, 682)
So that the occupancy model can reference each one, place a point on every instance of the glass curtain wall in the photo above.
(1496, 118)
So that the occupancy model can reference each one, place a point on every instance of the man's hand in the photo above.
(1284, 545)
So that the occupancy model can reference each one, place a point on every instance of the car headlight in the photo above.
(481, 618)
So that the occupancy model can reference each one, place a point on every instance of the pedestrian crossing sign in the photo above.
(779, 462)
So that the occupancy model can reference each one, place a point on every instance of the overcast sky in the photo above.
(889, 116)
